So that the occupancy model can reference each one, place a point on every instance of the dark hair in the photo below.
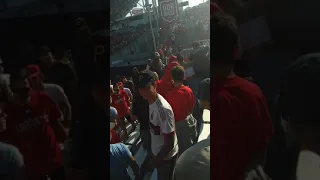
(224, 39)
(177, 73)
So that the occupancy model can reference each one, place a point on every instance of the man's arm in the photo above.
(127, 157)
(167, 130)
(55, 118)
(64, 105)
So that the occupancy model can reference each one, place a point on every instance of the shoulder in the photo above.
(53, 86)
(244, 89)
(162, 105)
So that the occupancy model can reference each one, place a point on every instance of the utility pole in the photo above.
(150, 21)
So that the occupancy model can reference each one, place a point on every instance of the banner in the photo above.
(168, 10)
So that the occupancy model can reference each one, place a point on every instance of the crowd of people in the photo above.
(119, 40)
(43, 111)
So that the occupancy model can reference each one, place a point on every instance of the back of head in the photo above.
(224, 40)
(301, 91)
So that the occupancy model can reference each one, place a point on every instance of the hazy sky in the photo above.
(191, 3)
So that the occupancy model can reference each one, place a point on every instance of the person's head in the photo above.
(116, 89)
(195, 45)
(45, 56)
(177, 74)
(120, 85)
(204, 93)
(157, 55)
(149, 61)
(172, 58)
(20, 85)
(224, 43)
(124, 79)
(100, 90)
(194, 163)
(147, 85)
(299, 100)
(35, 77)
(135, 71)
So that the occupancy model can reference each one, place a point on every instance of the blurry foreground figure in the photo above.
(194, 163)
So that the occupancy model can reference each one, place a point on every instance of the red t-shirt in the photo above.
(182, 102)
(121, 103)
(33, 136)
(115, 137)
(165, 83)
(241, 127)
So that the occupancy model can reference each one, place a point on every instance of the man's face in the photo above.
(46, 59)
(116, 89)
(124, 80)
(147, 92)
(35, 82)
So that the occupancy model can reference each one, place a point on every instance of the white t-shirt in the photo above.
(161, 122)
(127, 90)
(56, 93)
(308, 167)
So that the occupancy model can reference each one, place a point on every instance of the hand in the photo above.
(257, 174)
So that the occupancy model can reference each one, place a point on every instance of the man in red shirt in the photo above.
(34, 127)
(182, 102)
(165, 83)
(241, 124)
(120, 101)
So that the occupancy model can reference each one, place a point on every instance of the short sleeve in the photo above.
(124, 152)
(167, 121)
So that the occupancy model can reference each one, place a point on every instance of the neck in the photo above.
(153, 98)
(177, 84)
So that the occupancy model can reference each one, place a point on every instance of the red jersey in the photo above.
(241, 127)
(115, 137)
(182, 102)
(29, 129)
(121, 103)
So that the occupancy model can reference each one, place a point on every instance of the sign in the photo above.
(168, 13)
(168, 10)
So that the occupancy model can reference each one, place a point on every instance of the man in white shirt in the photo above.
(164, 143)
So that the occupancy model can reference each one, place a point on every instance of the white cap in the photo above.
(194, 163)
